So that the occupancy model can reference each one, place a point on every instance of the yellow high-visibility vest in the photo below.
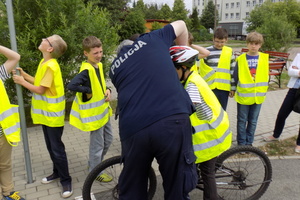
(220, 77)
(251, 91)
(196, 67)
(95, 113)
(9, 118)
(45, 109)
(213, 137)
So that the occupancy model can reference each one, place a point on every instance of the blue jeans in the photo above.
(246, 123)
(56, 149)
(222, 96)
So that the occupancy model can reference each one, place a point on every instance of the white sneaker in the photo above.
(67, 191)
(270, 139)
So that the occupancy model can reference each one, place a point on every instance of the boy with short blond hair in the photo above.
(251, 76)
(48, 107)
(217, 68)
(91, 90)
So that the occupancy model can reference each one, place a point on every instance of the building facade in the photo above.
(232, 13)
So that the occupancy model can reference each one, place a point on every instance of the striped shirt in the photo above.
(3, 76)
(203, 111)
(213, 60)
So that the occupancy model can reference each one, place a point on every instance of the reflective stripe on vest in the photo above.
(203, 146)
(251, 91)
(45, 109)
(89, 118)
(220, 77)
(95, 113)
(213, 137)
(9, 118)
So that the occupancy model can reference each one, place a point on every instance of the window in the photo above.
(232, 5)
(231, 15)
(237, 4)
(248, 4)
(254, 3)
(226, 16)
(247, 14)
(261, 2)
(227, 5)
(237, 15)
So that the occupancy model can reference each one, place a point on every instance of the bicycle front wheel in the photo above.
(243, 172)
(97, 190)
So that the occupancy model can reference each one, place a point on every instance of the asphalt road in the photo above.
(285, 184)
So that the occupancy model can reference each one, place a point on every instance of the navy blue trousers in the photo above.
(169, 141)
(222, 96)
(56, 149)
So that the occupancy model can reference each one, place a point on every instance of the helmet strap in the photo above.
(183, 72)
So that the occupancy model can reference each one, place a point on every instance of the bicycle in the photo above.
(242, 172)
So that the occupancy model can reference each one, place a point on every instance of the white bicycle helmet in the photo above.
(183, 56)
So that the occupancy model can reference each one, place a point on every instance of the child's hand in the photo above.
(18, 79)
(294, 67)
(14, 71)
(107, 94)
(89, 96)
(231, 93)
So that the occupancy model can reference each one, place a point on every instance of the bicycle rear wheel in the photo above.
(243, 172)
(96, 190)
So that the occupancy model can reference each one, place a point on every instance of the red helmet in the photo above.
(183, 55)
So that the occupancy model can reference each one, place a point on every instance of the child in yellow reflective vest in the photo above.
(217, 68)
(48, 107)
(251, 76)
(212, 134)
(9, 126)
(90, 109)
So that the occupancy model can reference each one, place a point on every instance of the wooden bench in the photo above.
(277, 64)
(276, 69)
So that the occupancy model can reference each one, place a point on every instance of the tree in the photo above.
(289, 8)
(151, 12)
(180, 13)
(117, 8)
(165, 12)
(35, 20)
(156, 25)
(134, 23)
(208, 16)
(279, 34)
(195, 21)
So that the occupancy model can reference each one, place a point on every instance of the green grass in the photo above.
(281, 148)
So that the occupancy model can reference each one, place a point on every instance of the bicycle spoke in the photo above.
(243, 174)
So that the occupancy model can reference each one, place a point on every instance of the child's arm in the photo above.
(12, 58)
(294, 69)
(81, 83)
(203, 52)
(26, 76)
(35, 89)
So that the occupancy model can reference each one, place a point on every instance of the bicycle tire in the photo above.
(95, 190)
(243, 172)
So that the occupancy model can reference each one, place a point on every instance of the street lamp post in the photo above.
(215, 17)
